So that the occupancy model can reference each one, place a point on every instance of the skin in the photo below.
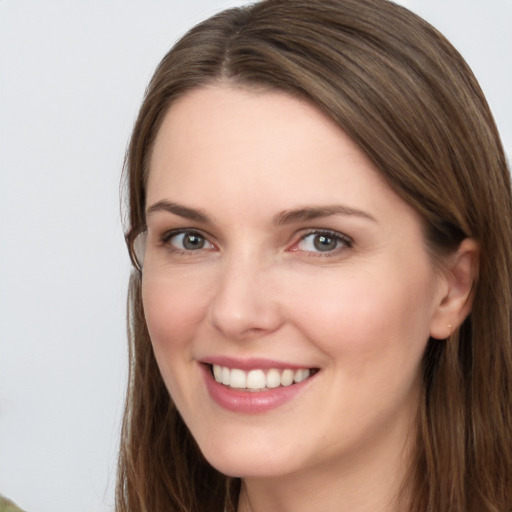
(361, 313)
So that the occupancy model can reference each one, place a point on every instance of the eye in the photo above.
(186, 241)
(323, 242)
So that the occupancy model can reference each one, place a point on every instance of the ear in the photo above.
(458, 280)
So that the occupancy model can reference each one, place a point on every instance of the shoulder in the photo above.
(8, 506)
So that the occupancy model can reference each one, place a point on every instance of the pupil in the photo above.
(324, 243)
(192, 241)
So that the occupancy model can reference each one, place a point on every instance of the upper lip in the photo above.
(254, 363)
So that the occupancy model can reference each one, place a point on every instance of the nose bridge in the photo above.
(242, 305)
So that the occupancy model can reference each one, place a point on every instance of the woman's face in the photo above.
(279, 259)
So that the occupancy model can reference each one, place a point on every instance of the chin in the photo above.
(241, 460)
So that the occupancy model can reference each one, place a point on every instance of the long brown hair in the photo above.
(408, 99)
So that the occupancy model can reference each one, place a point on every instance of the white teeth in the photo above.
(226, 377)
(301, 375)
(217, 373)
(287, 377)
(273, 378)
(237, 378)
(257, 380)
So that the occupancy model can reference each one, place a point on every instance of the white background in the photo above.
(72, 74)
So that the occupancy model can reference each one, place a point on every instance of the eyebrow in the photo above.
(304, 214)
(317, 212)
(178, 209)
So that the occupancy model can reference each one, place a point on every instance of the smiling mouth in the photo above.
(258, 379)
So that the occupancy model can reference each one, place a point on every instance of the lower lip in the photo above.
(247, 402)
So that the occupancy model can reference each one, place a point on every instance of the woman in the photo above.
(319, 210)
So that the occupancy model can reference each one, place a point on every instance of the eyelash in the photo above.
(340, 239)
(166, 240)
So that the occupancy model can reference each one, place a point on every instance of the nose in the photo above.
(245, 302)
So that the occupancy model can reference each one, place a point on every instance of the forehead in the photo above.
(259, 148)
(218, 119)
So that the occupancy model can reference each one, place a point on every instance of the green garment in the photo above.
(8, 506)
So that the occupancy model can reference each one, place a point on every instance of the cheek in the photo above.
(364, 318)
(172, 310)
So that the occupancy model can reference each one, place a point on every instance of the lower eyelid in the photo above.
(166, 239)
(346, 242)
(343, 239)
